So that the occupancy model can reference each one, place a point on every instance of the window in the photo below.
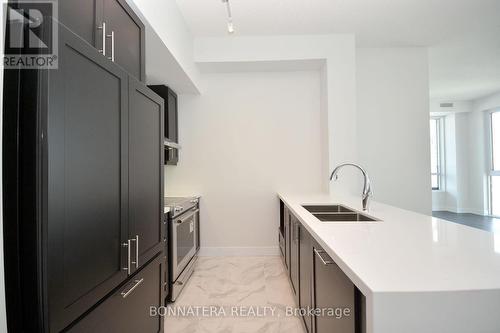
(436, 161)
(495, 164)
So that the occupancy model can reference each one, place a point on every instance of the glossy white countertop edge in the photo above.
(406, 251)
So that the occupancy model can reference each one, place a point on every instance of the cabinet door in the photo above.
(305, 274)
(172, 124)
(128, 310)
(197, 228)
(287, 240)
(85, 183)
(129, 37)
(294, 257)
(145, 172)
(332, 289)
(80, 16)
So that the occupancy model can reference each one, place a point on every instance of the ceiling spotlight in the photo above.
(230, 27)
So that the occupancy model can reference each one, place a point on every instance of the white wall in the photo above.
(393, 124)
(478, 136)
(338, 98)
(248, 136)
(463, 159)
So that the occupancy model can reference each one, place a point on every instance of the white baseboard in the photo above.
(470, 211)
(238, 251)
(445, 209)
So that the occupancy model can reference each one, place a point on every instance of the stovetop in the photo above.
(172, 201)
(180, 205)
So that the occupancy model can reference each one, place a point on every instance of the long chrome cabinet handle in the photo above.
(136, 251)
(136, 241)
(128, 292)
(325, 262)
(103, 34)
(112, 36)
(127, 245)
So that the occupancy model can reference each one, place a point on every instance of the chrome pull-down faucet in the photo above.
(367, 189)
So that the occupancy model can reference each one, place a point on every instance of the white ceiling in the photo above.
(466, 67)
(457, 71)
(375, 22)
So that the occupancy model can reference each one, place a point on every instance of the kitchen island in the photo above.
(417, 273)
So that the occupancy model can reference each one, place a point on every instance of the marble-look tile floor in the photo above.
(234, 287)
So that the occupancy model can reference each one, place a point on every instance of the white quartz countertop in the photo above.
(406, 251)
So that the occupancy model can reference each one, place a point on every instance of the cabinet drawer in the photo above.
(128, 309)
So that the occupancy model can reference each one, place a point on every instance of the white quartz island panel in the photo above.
(418, 273)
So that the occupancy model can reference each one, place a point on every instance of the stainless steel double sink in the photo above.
(337, 213)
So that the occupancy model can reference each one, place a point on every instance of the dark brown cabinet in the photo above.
(86, 186)
(305, 274)
(332, 289)
(81, 17)
(125, 42)
(286, 212)
(294, 257)
(145, 161)
(95, 181)
(171, 122)
(317, 282)
(112, 27)
(291, 250)
(128, 309)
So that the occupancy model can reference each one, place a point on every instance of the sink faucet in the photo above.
(367, 189)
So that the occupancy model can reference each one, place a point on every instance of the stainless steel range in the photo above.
(184, 240)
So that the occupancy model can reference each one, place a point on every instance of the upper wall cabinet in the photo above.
(171, 122)
(125, 42)
(80, 16)
(112, 27)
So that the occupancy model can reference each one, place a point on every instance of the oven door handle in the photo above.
(187, 217)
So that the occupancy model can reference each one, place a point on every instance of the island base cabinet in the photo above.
(305, 277)
(128, 309)
(332, 291)
(294, 258)
(287, 240)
